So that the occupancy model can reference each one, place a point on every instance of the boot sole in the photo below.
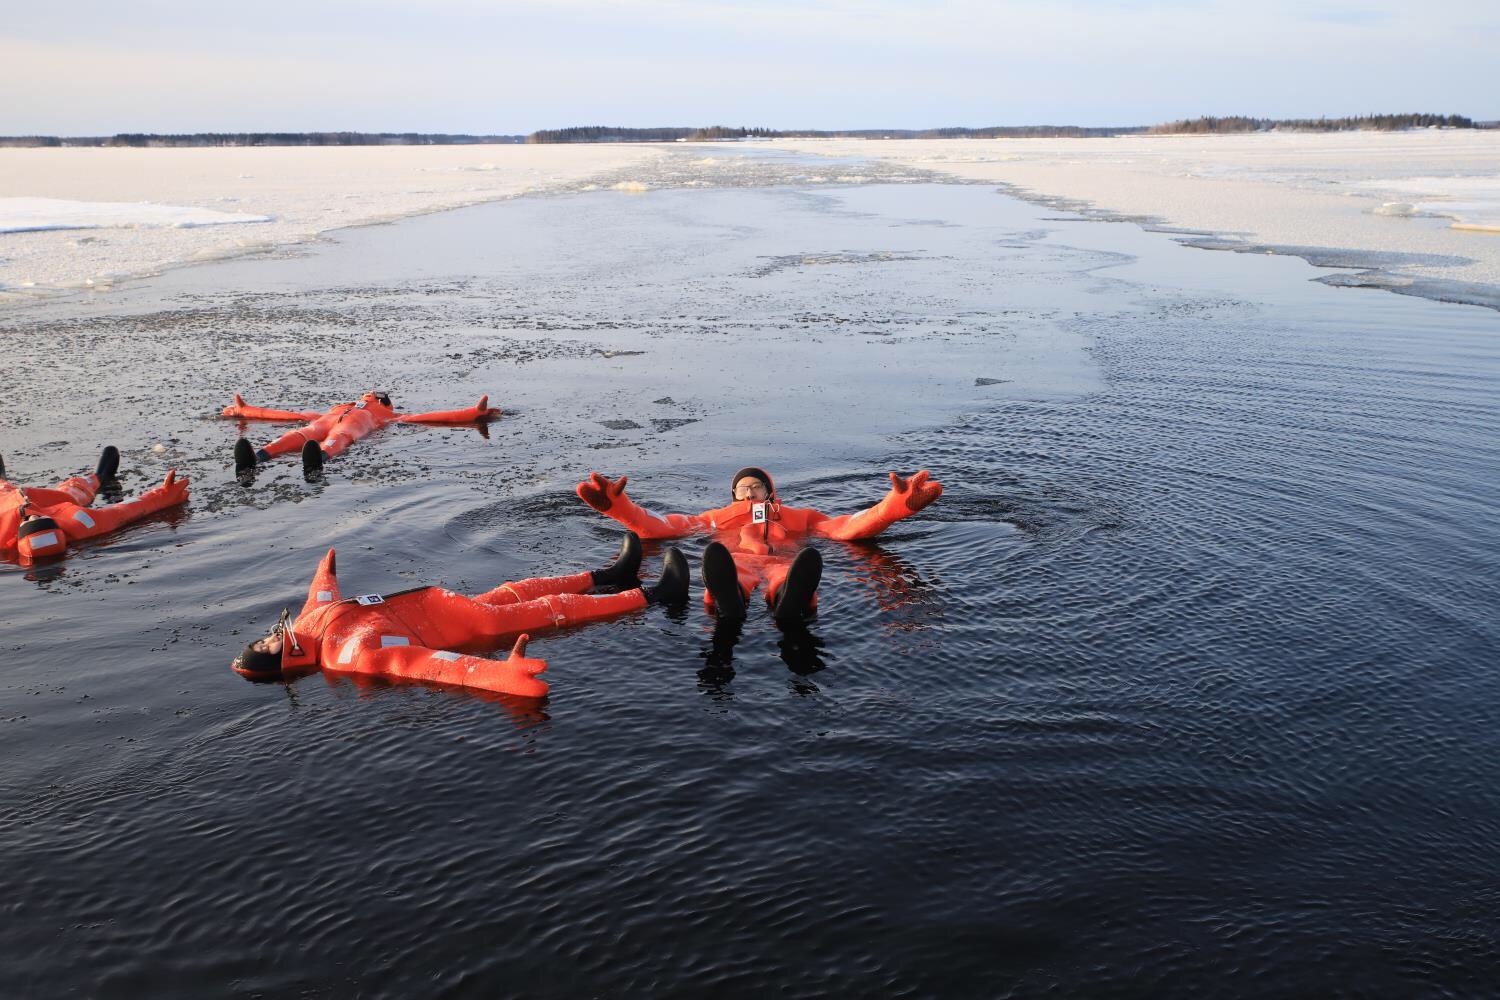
(722, 582)
(312, 457)
(794, 602)
(244, 456)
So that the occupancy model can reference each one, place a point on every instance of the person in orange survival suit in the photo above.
(417, 634)
(331, 432)
(38, 523)
(762, 531)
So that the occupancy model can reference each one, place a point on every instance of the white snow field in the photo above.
(1427, 192)
(75, 218)
(1430, 197)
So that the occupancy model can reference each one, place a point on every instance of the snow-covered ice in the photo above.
(1432, 195)
(33, 215)
(1471, 202)
(149, 209)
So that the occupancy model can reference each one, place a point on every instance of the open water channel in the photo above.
(1185, 686)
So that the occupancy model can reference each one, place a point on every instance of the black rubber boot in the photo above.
(794, 602)
(672, 588)
(108, 468)
(244, 457)
(722, 582)
(625, 571)
(2, 466)
(312, 458)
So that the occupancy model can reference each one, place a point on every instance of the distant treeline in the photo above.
(611, 133)
(1240, 123)
(261, 139)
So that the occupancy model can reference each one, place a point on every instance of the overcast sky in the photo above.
(102, 66)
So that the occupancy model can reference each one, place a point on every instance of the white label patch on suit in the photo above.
(43, 540)
(82, 518)
(346, 655)
(758, 513)
(443, 654)
(324, 596)
(368, 600)
(394, 640)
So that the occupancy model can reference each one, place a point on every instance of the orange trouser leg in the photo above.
(775, 579)
(749, 575)
(335, 444)
(557, 610)
(293, 440)
(527, 590)
(445, 620)
(79, 489)
(82, 489)
(346, 429)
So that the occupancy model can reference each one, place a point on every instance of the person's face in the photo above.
(751, 488)
(270, 644)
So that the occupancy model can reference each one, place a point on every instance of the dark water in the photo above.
(1184, 688)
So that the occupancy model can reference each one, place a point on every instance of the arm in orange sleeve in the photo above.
(474, 414)
(907, 496)
(516, 675)
(81, 522)
(608, 498)
(243, 412)
(324, 588)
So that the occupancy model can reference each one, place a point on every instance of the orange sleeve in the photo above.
(653, 526)
(244, 412)
(473, 414)
(906, 497)
(82, 522)
(516, 675)
(324, 588)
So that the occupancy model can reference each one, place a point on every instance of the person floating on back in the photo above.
(37, 523)
(755, 536)
(422, 634)
(330, 433)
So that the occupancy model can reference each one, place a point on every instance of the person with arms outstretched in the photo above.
(37, 523)
(330, 433)
(422, 634)
(755, 536)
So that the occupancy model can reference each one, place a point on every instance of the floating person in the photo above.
(330, 433)
(755, 537)
(420, 634)
(38, 523)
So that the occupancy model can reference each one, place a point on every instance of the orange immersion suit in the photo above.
(762, 541)
(413, 635)
(346, 423)
(67, 506)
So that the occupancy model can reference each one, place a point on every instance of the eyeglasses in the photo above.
(748, 490)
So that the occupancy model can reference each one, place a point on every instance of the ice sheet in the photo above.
(293, 195)
(1357, 193)
(1471, 202)
(30, 215)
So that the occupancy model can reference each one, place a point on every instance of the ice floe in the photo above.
(30, 215)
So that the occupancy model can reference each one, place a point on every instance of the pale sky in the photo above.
(96, 67)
